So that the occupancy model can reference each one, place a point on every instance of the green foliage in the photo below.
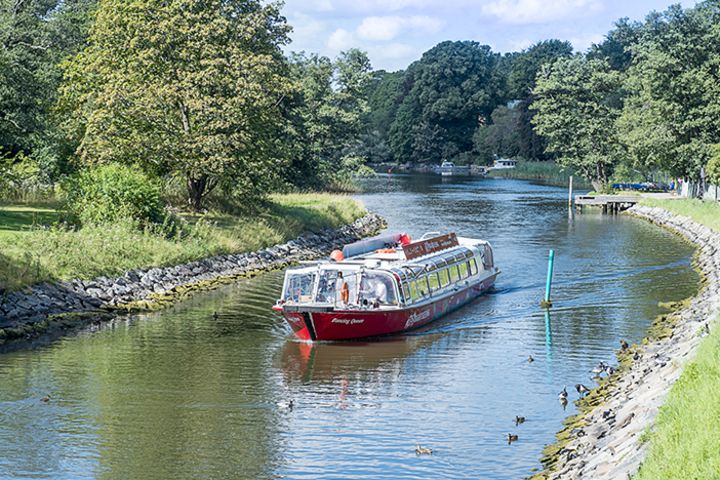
(185, 86)
(35, 35)
(25, 178)
(616, 49)
(500, 138)
(444, 94)
(713, 166)
(577, 103)
(113, 192)
(671, 116)
(526, 65)
(326, 115)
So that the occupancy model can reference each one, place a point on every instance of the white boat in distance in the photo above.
(446, 168)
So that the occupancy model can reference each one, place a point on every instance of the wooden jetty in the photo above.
(609, 203)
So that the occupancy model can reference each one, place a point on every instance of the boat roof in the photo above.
(396, 259)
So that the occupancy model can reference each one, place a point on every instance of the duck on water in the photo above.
(386, 284)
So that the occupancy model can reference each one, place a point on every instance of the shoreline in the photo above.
(605, 439)
(55, 309)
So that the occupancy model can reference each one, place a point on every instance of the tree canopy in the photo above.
(184, 86)
(577, 103)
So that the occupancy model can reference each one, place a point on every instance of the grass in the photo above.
(686, 441)
(704, 212)
(549, 172)
(32, 250)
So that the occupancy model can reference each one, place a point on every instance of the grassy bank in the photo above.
(706, 213)
(685, 442)
(35, 248)
(548, 172)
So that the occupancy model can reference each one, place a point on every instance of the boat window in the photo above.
(346, 288)
(406, 292)
(327, 284)
(414, 291)
(473, 267)
(299, 287)
(464, 270)
(422, 288)
(454, 277)
(433, 281)
(444, 278)
(377, 289)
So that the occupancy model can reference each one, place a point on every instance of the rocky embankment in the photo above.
(605, 440)
(27, 313)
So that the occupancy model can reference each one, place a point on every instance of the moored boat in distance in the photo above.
(386, 284)
(447, 168)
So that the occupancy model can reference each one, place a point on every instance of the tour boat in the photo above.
(386, 284)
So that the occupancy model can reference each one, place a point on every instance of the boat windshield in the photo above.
(299, 287)
(377, 289)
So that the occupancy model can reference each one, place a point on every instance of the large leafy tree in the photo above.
(672, 116)
(35, 35)
(326, 114)
(577, 102)
(443, 96)
(521, 82)
(189, 87)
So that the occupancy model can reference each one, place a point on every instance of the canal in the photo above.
(181, 394)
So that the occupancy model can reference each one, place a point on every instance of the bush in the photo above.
(112, 192)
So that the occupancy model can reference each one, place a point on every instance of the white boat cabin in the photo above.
(390, 277)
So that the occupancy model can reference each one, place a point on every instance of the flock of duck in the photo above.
(582, 390)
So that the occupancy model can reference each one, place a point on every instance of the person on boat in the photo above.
(326, 289)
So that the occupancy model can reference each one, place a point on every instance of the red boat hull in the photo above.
(352, 324)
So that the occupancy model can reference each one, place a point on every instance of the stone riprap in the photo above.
(36, 303)
(606, 443)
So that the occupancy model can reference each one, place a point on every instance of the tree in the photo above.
(326, 114)
(618, 43)
(35, 35)
(443, 95)
(521, 82)
(577, 102)
(501, 137)
(186, 87)
(671, 119)
(383, 93)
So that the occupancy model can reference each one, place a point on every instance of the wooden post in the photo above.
(570, 197)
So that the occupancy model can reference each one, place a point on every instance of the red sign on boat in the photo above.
(431, 245)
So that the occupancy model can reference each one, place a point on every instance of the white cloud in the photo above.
(341, 39)
(389, 27)
(305, 29)
(583, 42)
(518, 45)
(539, 11)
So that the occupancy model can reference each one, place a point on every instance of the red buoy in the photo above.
(337, 256)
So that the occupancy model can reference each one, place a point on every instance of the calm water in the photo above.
(180, 395)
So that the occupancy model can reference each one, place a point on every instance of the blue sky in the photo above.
(397, 32)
